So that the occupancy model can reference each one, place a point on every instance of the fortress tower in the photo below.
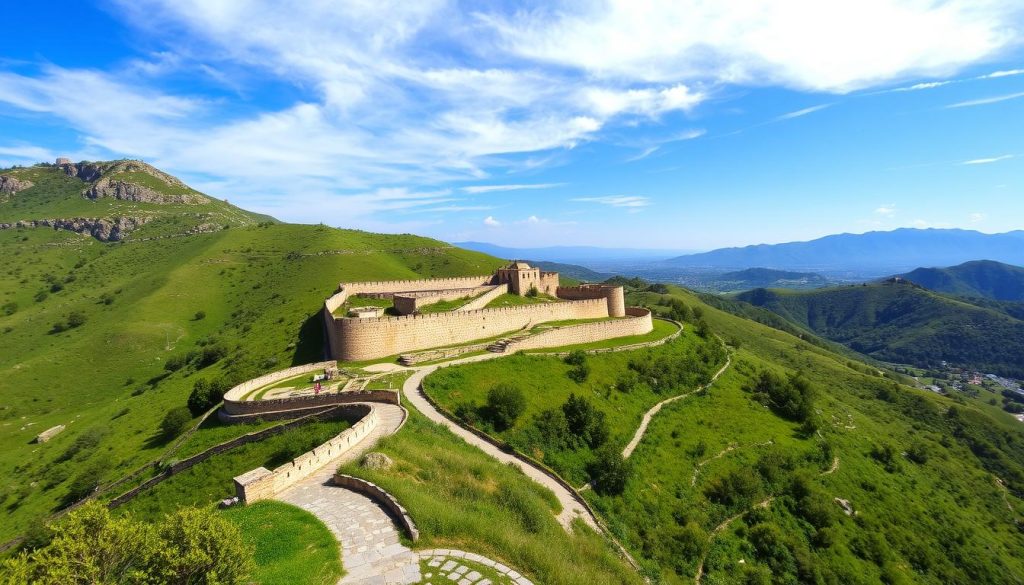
(521, 278)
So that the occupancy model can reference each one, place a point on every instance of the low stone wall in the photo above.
(481, 302)
(260, 484)
(377, 494)
(273, 405)
(638, 323)
(235, 394)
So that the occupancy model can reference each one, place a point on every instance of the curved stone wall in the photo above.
(382, 497)
(638, 323)
(613, 295)
(364, 339)
(235, 394)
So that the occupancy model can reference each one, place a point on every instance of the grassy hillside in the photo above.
(899, 322)
(738, 482)
(982, 278)
(229, 304)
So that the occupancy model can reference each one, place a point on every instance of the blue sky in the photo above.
(677, 124)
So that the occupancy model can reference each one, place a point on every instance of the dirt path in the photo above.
(639, 434)
(833, 468)
(725, 524)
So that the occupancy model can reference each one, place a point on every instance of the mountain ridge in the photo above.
(977, 278)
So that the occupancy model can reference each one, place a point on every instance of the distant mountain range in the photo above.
(877, 253)
(980, 278)
(572, 271)
(899, 321)
(571, 254)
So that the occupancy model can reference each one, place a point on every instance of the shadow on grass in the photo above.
(310, 346)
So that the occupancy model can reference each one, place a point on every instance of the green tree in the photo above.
(505, 403)
(206, 394)
(585, 421)
(175, 422)
(201, 547)
(609, 472)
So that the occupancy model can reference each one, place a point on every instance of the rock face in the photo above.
(104, 230)
(9, 185)
(109, 182)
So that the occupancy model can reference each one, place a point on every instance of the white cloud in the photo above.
(886, 210)
(629, 201)
(985, 161)
(976, 218)
(498, 188)
(800, 113)
(926, 85)
(643, 154)
(986, 101)
(824, 45)
(489, 221)
(1004, 73)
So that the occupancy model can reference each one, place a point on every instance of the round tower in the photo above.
(616, 301)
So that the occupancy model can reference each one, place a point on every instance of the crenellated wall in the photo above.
(408, 303)
(235, 394)
(364, 339)
(482, 301)
(612, 294)
(637, 323)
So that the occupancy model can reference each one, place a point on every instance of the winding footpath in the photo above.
(632, 445)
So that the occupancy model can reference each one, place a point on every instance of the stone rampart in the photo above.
(638, 323)
(233, 409)
(260, 484)
(235, 394)
(481, 301)
(612, 294)
(408, 303)
(386, 500)
(364, 339)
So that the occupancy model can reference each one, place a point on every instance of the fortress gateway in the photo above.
(358, 332)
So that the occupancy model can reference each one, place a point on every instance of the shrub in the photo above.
(505, 403)
(206, 394)
(199, 316)
(176, 362)
(76, 319)
(175, 422)
(85, 442)
(609, 471)
(737, 488)
(579, 374)
(107, 298)
(576, 358)
(10, 308)
(918, 453)
(40, 296)
(585, 421)
(212, 354)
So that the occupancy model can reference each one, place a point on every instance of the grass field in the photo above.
(260, 290)
(546, 385)
(461, 498)
(291, 545)
(661, 330)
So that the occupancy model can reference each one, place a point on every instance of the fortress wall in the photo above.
(363, 339)
(234, 394)
(408, 303)
(482, 301)
(548, 283)
(273, 405)
(638, 323)
(613, 294)
(385, 286)
(260, 483)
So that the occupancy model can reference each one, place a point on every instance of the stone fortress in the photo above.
(367, 332)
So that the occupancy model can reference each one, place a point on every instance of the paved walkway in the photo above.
(571, 507)
(370, 549)
(639, 434)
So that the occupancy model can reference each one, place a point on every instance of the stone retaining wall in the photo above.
(638, 323)
(481, 302)
(258, 485)
(379, 495)
(250, 407)
(409, 303)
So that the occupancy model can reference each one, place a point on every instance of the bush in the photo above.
(176, 362)
(212, 354)
(175, 422)
(199, 316)
(206, 394)
(76, 319)
(505, 403)
(576, 358)
(107, 298)
(737, 488)
(579, 374)
(10, 308)
(585, 421)
(195, 546)
(609, 472)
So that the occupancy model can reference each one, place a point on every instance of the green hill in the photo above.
(981, 278)
(897, 321)
(113, 200)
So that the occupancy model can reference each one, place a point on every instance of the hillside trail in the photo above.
(642, 429)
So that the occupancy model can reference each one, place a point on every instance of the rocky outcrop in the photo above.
(104, 230)
(108, 180)
(127, 191)
(10, 185)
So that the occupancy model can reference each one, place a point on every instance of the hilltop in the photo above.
(898, 321)
(111, 201)
(874, 253)
(980, 278)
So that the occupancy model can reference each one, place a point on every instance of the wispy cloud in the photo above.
(800, 113)
(985, 161)
(1004, 73)
(986, 101)
(886, 210)
(643, 154)
(926, 85)
(489, 221)
(632, 202)
(976, 218)
(475, 189)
